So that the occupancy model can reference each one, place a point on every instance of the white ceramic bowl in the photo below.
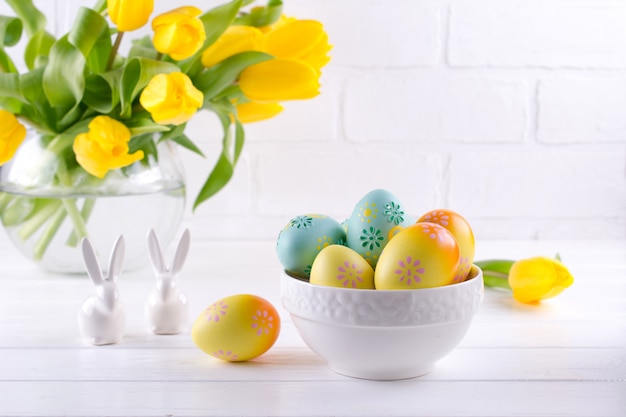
(382, 334)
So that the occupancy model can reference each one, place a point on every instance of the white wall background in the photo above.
(511, 112)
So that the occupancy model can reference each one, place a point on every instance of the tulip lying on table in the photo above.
(531, 280)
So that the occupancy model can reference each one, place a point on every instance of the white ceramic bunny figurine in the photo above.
(167, 309)
(102, 319)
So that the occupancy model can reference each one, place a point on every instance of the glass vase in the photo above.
(46, 208)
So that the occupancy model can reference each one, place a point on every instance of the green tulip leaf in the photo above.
(143, 143)
(102, 91)
(11, 98)
(100, 6)
(232, 145)
(218, 19)
(222, 75)
(145, 125)
(90, 34)
(10, 34)
(31, 17)
(215, 22)
(63, 78)
(37, 48)
(136, 75)
(185, 142)
(30, 85)
(10, 30)
(177, 134)
(6, 63)
(143, 48)
(81, 126)
(262, 16)
(11, 105)
(10, 86)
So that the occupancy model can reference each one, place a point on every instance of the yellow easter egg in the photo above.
(340, 266)
(462, 232)
(237, 328)
(423, 255)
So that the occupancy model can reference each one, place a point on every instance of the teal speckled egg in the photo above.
(303, 238)
(376, 218)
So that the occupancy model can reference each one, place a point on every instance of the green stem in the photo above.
(116, 46)
(100, 6)
(5, 199)
(496, 280)
(85, 213)
(42, 214)
(42, 244)
(80, 228)
(68, 208)
(17, 210)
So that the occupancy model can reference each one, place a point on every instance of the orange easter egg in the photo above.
(422, 255)
(462, 232)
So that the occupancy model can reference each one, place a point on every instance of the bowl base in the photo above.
(382, 374)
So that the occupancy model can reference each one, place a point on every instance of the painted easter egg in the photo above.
(462, 232)
(423, 255)
(376, 218)
(303, 238)
(340, 266)
(237, 328)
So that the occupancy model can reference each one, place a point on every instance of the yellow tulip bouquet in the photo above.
(99, 111)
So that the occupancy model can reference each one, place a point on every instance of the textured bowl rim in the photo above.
(383, 308)
(475, 272)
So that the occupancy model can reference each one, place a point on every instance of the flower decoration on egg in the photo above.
(237, 328)
(394, 213)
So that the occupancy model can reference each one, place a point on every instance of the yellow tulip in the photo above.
(130, 15)
(11, 135)
(179, 33)
(279, 80)
(255, 112)
(171, 98)
(300, 39)
(537, 278)
(235, 40)
(282, 20)
(104, 147)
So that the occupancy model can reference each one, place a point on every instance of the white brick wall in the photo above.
(512, 112)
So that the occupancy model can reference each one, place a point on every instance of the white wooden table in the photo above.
(566, 357)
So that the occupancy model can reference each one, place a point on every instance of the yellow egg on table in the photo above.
(340, 266)
(462, 232)
(423, 255)
(237, 328)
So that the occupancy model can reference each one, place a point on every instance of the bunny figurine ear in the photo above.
(117, 258)
(155, 252)
(181, 252)
(91, 262)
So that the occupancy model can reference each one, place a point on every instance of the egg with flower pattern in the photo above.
(303, 237)
(237, 328)
(462, 232)
(340, 266)
(423, 255)
(376, 218)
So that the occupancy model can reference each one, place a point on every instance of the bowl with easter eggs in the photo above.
(382, 295)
